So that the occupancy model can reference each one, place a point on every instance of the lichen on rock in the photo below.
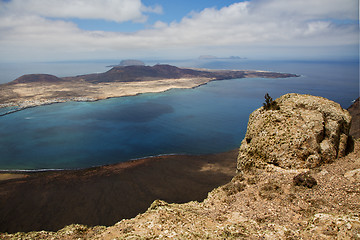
(304, 133)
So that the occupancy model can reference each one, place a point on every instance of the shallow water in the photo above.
(208, 119)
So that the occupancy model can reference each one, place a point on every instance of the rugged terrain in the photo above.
(305, 132)
(285, 193)
(38, 89)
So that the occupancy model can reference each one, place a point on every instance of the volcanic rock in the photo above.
(305, 132)
(31, 78)
(305, 179)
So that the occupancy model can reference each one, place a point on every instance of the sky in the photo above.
(66, 30)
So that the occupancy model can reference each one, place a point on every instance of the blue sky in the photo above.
(170, 11)
(50, 30)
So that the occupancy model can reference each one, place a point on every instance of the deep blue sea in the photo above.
(208, 119)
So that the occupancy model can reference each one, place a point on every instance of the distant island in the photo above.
(128, 62)
(211, 57)
(39, 89)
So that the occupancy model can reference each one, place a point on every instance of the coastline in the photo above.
(21, 106)
(34, 90)
(105, 91)
(115, 191)
(147, 158)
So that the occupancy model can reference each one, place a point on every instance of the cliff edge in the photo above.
(298, 179)
(304, 132)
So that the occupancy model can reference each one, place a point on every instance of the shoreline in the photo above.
(116, 191)
(193, 83)
(35, 90)
(146, 158)
(41, 104)
(20, 106)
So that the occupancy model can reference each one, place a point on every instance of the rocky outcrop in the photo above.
(304, 133)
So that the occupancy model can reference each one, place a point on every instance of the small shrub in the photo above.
(270, 191)
(252, 180)
(305, 179)
(239, 177)
(157, 203)
(233, 188)
(270, 104)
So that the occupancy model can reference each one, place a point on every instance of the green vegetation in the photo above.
(270, 104)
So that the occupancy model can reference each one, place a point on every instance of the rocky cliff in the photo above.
(297, 180)
(305, 132)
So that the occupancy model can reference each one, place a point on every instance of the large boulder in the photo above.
(304, 133)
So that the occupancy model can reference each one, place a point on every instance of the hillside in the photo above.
(104, 195)
(33, 78)
(131, 73)
(143, 73)
(291, 193)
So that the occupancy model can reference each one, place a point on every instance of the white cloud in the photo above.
(25, 31)
(252, 23)
(112, 10)
(307, 9)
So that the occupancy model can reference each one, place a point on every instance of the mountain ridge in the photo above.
(147, 73)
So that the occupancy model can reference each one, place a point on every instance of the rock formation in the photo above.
(305, 132)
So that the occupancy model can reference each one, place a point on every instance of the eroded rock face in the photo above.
(306, 132)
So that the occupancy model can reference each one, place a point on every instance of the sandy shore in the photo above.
(105, 195)
(8, 176)
(26, 95)
(39, 89)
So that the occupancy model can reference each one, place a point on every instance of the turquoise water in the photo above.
(208, 119)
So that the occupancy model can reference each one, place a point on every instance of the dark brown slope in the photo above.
(43, 78)
(354, 111)
(105, 195)
(147, 73)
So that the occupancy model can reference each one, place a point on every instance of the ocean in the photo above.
(209, 119)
